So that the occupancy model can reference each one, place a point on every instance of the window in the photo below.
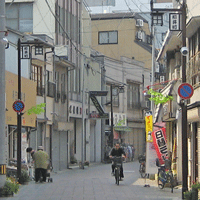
(108, 37)
(50, 84)
(19, 16)
(133, 95)
(63, 94)
(57, 95)
(36, 75)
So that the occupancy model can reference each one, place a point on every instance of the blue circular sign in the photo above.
(185, 91)
(18, 106)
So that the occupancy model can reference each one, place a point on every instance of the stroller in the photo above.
(48, 173)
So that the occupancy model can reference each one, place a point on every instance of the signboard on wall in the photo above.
(28, 97)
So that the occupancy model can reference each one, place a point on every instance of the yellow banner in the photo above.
(149, 128)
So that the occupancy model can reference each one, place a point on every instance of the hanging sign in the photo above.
(160, 143)
(149, 128)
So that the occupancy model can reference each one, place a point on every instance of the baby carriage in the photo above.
(48, 173)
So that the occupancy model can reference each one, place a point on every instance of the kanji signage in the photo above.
(25, 54)
(174, 22)
(160, 143)
(149, 128)
(18, 106)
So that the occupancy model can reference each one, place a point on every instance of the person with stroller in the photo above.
(117, 151)
(41, 159)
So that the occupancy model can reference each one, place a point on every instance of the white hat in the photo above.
(40, 147)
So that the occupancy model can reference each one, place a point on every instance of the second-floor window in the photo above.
(133, 95)
(36, 75)
(108, 37)
(19, 16)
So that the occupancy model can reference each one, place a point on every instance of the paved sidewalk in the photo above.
(96, 183)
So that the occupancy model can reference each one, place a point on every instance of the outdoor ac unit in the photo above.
(162, 79)
(139, 35)
(139, 22)
(61, 50)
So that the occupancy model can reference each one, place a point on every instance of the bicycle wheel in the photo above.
(160, 182)
(142, 171)
(117, 174)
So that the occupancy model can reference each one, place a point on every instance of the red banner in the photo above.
(160, 143)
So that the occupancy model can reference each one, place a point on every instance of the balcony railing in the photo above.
(193, 69)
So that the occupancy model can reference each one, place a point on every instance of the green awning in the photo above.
(122, 128)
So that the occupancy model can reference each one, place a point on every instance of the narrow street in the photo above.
(96, 183)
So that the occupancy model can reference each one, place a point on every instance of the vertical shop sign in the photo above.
(160, 143)
(149, 128)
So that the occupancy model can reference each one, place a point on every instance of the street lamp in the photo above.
(120, 89)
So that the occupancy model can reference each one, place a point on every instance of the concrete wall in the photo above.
(126, 36)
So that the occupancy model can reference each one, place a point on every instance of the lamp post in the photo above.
(2, 89)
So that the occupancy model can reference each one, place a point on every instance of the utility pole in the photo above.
(183, 103)
(19, 117)
(2, 89)
(111, 111)
(83, 116)
(103, 142)
(184, 109)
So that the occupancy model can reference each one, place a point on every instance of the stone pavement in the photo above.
(96, 183)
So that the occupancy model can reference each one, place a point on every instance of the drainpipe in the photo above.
(45, 95)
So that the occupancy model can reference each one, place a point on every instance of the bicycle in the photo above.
(165, 176)
(118, 164)
(142, 169)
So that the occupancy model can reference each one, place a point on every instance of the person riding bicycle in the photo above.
(117, 151)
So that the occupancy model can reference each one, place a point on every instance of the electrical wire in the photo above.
(68, 37)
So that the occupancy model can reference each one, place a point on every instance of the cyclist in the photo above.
(117, 151)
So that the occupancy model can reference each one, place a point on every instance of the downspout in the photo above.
(45, 95)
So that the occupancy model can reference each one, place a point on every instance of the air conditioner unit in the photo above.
(139, 35)
(139, 22)
(61, 50)
(162, 79)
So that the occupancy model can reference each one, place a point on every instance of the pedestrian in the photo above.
(41, 159)
(31, 151)
(119, 152)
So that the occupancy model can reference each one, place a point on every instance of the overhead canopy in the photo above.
(165, 91)
(192, 26)
(172, 40)
(122, 128)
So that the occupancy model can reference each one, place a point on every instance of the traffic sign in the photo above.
(185, 91)
(18, 106)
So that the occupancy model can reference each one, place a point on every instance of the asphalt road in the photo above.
(96, 183)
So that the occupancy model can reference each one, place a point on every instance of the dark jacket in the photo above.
(117, 152)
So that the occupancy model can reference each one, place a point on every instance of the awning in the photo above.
(192, 26)
(193, 112)
(122, 128)
(171, 41)
(165, 91)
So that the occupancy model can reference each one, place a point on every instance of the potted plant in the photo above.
(10, 187)
(24, 179)
(193, 193)
(73, 160)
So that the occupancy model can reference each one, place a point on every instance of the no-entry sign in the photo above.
(185, 91)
